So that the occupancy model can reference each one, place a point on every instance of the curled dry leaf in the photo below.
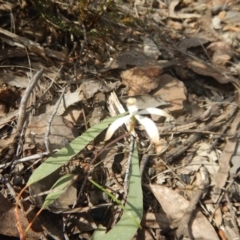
(192, 42)
(175, 206)
(222, 52)
(207, 70)
(141, 80)
(172, 91)
(180, 15)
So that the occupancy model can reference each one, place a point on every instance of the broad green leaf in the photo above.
(100, 232)
(58, 189)
(65, 154)
(126, 227)
(116, 200)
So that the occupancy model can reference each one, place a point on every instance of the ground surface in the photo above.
(67, 66)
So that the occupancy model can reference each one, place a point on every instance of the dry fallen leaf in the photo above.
(4, 143)
(162, 146)
(13, 79)
(224, 161)
(91, 87)
(203, 158)
(222, 53)
(192, 42)
(141, 80)
(172, 91)
(175, 206)
(69, 99)
(180, 15)
(60, 132)
(207, 70)
(73, 114)
(232, 17)
(155, 220)
(8, 220)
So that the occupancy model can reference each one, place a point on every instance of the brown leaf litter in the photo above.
(70, 73)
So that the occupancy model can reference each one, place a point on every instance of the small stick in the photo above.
(184, 223)
(24, 101)
(233, 215)
(132, 141)
(22, 234)
(22, 115)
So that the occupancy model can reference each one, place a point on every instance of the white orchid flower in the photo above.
(134, 115)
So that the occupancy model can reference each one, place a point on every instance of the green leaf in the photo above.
(117, 201)
(126, 227)
(100, 232)
(65, 154)
(58, 189)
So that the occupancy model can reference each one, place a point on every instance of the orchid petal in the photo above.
(150, 128)
(115, 125)
(156, 111)
(132, 105)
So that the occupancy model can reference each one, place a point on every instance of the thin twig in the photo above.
(22, 114)
(53, 80)
(132, 141)
(32, 157)
(225, 127)
(24, 101)
(16, 213)
(169, 132)
(219, 121)
(233, 215)
(184, 223)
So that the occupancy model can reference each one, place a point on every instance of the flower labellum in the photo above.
(135, 114)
